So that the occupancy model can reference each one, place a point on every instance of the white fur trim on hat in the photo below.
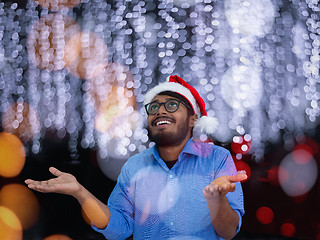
(173, 87)
(206, 124)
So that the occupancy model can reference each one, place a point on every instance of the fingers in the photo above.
(211, 191)
(38, 186)
(215, 190)
(55, 171)
(241, 176)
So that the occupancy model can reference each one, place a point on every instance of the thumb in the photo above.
(55, 171)
(241, 176)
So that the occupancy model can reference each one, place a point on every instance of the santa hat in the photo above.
(176, 84)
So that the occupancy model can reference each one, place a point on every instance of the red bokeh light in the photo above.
(265, 215)
(243, 166)
(288, 229)
(241, 144)
(302, 154)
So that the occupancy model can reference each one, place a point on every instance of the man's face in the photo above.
(169, 129)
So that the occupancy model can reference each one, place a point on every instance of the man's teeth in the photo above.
(162, 122)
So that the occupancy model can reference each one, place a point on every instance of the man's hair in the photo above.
(181, 98)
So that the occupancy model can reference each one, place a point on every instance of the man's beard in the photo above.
(167, 139)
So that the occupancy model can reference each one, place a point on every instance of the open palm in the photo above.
(64, 183)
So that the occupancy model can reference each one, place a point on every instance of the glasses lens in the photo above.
(172, 105)
(153, 108)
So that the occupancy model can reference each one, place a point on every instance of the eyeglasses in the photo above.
(171, 106)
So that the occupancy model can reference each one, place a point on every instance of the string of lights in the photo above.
(79, 71)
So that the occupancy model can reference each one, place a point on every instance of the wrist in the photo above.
(79, 193)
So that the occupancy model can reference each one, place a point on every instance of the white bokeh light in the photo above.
(241, 87)
(298, 173)
(250, 17)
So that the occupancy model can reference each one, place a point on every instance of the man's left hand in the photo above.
(222, 185)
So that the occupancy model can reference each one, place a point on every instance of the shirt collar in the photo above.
(190, 148)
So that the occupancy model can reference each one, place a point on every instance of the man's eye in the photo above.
(172, 104)
(153, 107)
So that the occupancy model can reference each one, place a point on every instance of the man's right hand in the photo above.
(64, 183)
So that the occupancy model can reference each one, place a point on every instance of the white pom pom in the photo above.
(207, 124)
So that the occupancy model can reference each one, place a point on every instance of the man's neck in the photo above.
(171, 153)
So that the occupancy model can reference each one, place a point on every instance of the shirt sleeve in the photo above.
(120, 225)
(227, 167)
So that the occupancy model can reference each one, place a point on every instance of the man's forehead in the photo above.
(163, 97)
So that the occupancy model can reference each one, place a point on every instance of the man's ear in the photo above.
(193, 120)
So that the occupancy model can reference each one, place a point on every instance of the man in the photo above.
(178, 189)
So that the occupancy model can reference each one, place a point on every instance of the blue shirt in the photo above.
(155, 202)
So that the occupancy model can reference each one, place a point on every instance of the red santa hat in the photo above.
(176, 84)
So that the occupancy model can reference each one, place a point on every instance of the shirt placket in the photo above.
(171, 218)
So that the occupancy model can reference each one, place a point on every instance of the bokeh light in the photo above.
(249, 16)
(299, 173)
(57, 237)
(86, 55)
(288, 229)
(243, 166)
(92, 210)
(12, 155)
(265, 215)
(241, 87)
(47, 41)
(58, 5)
(10, 226)
(22, 201)
(22, 120)
(225, 50)
(185, 3)
(112, 90)
(111, 166)
(241, 144)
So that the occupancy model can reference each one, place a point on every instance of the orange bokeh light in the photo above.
(113, 110)
(265, 215)
(21, 120)
(57, 237)
(10, 226)
(86, 55)
(12, 155)
(47, 39)
(111, 93)
(92, 210)
(22, 201)
(58, 5)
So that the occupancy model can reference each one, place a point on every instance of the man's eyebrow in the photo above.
(171, 98)
(168, 98)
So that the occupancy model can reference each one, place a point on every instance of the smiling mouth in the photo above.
(161, 121)
(164, 122)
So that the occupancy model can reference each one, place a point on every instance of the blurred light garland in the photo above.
(257, 68)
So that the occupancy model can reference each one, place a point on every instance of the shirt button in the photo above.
(171, 176)
(171, 223)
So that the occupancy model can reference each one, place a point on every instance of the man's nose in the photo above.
(162, 110)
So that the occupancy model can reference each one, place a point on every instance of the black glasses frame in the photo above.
(164, 104)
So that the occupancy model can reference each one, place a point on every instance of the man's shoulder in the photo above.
(209, 148)
(140, 157)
